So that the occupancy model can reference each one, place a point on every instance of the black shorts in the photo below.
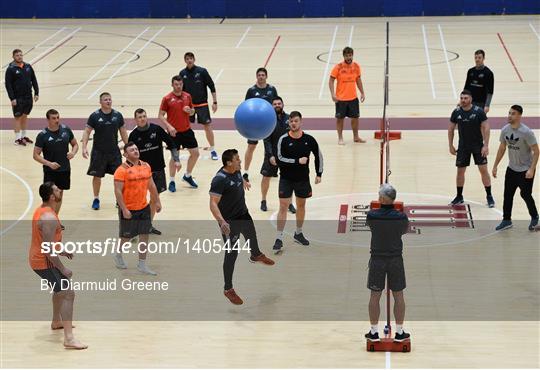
(24, 106)
(463, 157)
(60, 179)
(102, 163)
(267, 169)
(185, 140)
(382, 267)
(140, 223)
(480, 104)
(54, 277)
(302, 189)
(160, 180)
(203, 115)
(350, 108)
(253, 142)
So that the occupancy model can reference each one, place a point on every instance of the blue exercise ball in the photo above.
(255, 119)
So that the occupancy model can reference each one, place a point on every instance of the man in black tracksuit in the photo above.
(149, 139)
(387, 226)
(480, 82)
(293, 152)
(20, 80)
(269, 167)
(196, 82)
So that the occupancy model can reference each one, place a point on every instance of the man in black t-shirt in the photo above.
(106, 157)
(228, 206)
(149, 139)
(265, 91)
(54, 141)
(473, 129)
(480, 82)
(197, 81)
(293, 151)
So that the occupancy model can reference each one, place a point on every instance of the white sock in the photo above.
(299, 230)
(18, 135)
(374, 329)
(211, 148)
(399, 329)
(142, 263)
(23, 133)
(171, 178)
(188, 174)
(279, 235)
(96, 198)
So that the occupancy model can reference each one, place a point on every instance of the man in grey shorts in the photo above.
(522, 159)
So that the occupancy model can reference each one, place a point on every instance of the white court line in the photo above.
(50, 37)
(30, 199)
(387, 362)
(328, 62)
(350, 36)
(447, 62)
(125, 63)
(534, 30)
(218, 75)
(428, 62)
(243, 37)
(106, 64)
(55, 45)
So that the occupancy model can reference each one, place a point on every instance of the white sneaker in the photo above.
(145, 270)
(119, 262)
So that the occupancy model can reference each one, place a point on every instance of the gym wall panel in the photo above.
(400, 8)
(362, 8)
(323, 8)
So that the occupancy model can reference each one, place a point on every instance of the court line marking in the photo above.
(71, 57)
(243, 37)
(387, 362)
(30, 199)
(328, 62)
(272, 51)
(54, 47)
(218, 75)
(447, 62)
(125, 63)
(428, 59)
(350, 36)
(106, 64)
(534, 30)
(509, 56)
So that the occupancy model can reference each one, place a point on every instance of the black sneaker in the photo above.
(457, 200)
(533, 224)
(299, 238)
(62, 227)
(401, 337)
(155, 231)
(292, 209)
(278, 245)
(246, 177)
(490, 201)
(264, 208)
(372, 337)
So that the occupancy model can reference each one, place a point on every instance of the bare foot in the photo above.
(341, 142)
(359, 140)
(74, 344)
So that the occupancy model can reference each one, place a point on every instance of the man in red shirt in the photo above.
(348, 76)
(177, 105)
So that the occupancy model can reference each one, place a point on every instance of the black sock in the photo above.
(460, 191)
(488, 190)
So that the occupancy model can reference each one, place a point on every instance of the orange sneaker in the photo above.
(261, 258)
(233, 297)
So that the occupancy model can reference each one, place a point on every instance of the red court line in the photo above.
(50, 51)
(272, 51)
(509, 56)
(342, 220)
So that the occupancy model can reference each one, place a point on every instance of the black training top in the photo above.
(150, 140)
(232, 204)
(480, 83)
(106, 128)
(387, 225)
(55, 147)
(290, 150)
(20, 81)
(282, 127)
(469, 126)
(196, 82)
(268, 93)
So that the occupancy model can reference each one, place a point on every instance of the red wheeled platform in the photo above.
(392, 135)
(375, 204)
(388, 345)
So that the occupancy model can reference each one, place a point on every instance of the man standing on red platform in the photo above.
(177, 105)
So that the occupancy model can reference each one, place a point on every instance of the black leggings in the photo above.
(241, 225)
(512, 181)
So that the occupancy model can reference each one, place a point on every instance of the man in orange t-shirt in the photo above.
(46, 230)
(348, 76)
(132, 181)
(178, 107)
